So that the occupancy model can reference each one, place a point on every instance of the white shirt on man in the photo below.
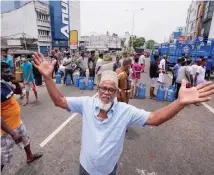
(99, 64)
(163, 64)
(201, 74)
(194, 69)
(67, 60)
(142, 59)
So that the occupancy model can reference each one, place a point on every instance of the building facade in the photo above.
(199, 19)
(102, 42)
(29, 22)
(191, 21)
(207, 20)
(48, 22)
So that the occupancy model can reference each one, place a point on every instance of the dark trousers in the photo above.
(173, 80)
(178, 88)
(68, 71)
(82, 73)
(82, 171)
(92, 73)
(38, 80)
(207, 74)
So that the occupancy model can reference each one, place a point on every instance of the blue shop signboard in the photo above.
(59, 12)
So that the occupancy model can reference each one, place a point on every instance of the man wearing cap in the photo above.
(105, 119)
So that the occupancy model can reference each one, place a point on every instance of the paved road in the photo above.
(182, 146)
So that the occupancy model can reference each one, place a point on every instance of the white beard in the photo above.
(103, 106)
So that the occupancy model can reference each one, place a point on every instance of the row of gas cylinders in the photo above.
(78, 81)
(162, 92)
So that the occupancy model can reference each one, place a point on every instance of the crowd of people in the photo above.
(113, 87)
(194, 73)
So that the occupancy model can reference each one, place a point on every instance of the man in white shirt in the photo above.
(99, 65)
(190, 70)
(200, 73)
(162, 67)
(142, 62)
(68, 67)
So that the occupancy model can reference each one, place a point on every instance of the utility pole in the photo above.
(133, 13)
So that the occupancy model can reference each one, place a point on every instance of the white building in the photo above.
(211, 34)
(101, 42)
(191, 20)
(31, 21)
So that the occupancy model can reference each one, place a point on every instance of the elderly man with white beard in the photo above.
(105, 119)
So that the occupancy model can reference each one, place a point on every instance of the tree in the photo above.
(150, 44)
(137, 42)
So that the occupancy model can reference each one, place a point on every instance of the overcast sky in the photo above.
(157, 21)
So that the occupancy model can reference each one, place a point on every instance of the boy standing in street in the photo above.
(27, 69)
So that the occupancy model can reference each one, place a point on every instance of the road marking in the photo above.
(144, 172)
(54, 133)
(208, 107)
(203, 103)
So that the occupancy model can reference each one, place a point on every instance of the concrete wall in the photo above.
(20, 20)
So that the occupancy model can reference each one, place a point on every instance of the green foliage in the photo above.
(127, 53)
(107, 57)
(150, 44)
(137, 42)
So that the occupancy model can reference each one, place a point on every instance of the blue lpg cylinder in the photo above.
(161, 93)
(170, 94)
(82, 83)
(58, 78)
(142, 91)
(90, 83)
(76, 81)
(68, 79)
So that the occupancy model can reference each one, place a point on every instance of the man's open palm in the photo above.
(44, 67)
(200, 93)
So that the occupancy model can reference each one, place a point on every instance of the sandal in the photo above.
(35, 157)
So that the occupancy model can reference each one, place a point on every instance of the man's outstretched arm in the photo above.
(200, 93)
(46, 69)
(57, 98)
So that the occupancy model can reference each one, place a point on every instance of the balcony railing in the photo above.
(43, 23)
(44, 38)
